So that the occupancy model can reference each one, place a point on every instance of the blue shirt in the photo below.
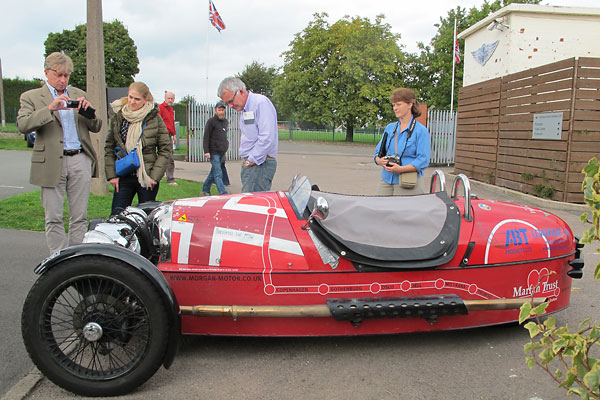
(417, 153)
(258, 124)
(67, 119)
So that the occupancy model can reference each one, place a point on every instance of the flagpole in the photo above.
(453, 66)
(207, 50)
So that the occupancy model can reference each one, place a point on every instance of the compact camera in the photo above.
(72, 104)
(393, 159)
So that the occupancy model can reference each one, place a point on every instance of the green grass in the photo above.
(13, 143)
(10, 127)
(25, 211)
(322, 136)
(19, 143)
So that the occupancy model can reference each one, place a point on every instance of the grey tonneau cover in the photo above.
(422, 230)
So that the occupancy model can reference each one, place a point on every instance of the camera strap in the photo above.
(411, 128)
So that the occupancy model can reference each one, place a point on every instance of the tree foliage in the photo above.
(430, 69)
(570, 357)
(14, 87)
(120, 53)
(188, 99)
(341, 73)
(258, 78)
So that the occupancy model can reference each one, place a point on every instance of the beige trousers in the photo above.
(387, 189)
(75, 180)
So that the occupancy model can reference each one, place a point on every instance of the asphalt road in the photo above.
(483, 363)
(14, 173)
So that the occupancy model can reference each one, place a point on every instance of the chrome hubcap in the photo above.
(92, 331)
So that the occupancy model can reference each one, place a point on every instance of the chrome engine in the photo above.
(145, 231)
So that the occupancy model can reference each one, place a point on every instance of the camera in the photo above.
(72, 104)
(393, 159)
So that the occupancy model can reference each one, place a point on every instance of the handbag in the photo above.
(408, 180)
(125, 165)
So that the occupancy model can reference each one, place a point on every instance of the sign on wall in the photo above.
(547, 126)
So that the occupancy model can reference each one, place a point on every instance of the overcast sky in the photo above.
(180, 51)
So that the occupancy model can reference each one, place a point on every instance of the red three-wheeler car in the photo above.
(104, 315)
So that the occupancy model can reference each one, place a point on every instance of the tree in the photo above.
(120, 53)
(188, 99)
(431, 68)
(258, 78)
(343, 73)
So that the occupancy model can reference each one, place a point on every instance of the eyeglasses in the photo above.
(63, 75)
(230, 101)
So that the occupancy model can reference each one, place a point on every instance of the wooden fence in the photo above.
(494, 141)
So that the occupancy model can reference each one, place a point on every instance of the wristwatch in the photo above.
(246, 163)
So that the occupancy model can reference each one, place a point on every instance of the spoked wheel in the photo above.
(95, 326)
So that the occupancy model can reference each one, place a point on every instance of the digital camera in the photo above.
(392, 159)
(72, 104)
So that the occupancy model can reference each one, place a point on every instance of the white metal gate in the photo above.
(442, 128)
(198, 114)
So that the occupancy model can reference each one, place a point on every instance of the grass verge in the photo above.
(25, 211)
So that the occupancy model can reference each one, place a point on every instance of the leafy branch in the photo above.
(578, 370)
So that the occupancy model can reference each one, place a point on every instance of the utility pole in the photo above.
(96, 87)
(2, 99)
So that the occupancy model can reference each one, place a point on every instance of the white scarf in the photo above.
(134, 131)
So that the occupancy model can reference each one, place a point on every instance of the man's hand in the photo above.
(174, 140)
(59, 103)
(207, 155)
(84, 103)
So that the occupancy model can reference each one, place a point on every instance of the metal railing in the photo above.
(442, 128)
(198, 114)
(440, 123)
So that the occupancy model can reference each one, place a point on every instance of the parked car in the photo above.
(105, 315)
(30, 138)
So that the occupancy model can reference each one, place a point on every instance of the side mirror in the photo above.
(320, 211)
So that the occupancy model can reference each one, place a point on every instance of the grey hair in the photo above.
(59, 59)
(232, 84)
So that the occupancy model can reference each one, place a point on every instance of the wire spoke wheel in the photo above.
(95, 326)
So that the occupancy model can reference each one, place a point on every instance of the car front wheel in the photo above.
(95, 326)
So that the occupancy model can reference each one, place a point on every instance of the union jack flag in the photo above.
(456, 51)
(214, 17)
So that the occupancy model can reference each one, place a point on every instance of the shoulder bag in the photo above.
(125, 165)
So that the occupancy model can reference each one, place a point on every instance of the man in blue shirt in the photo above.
(259, 140)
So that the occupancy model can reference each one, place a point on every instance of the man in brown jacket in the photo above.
(63, 158)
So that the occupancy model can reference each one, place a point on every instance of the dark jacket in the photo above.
(156, 145)
(215, 136)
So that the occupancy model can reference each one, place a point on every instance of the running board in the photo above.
(355, 310)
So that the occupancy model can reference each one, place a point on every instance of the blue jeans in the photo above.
(128, 188)
(215, 175)
(258, 178)
(225, 174)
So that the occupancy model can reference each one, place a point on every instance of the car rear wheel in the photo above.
(95, 326)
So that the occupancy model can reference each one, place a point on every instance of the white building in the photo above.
(522, 36)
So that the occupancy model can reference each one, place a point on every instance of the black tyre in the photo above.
(95, 326)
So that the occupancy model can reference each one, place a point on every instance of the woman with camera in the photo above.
(134, 123)
(404, 149)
